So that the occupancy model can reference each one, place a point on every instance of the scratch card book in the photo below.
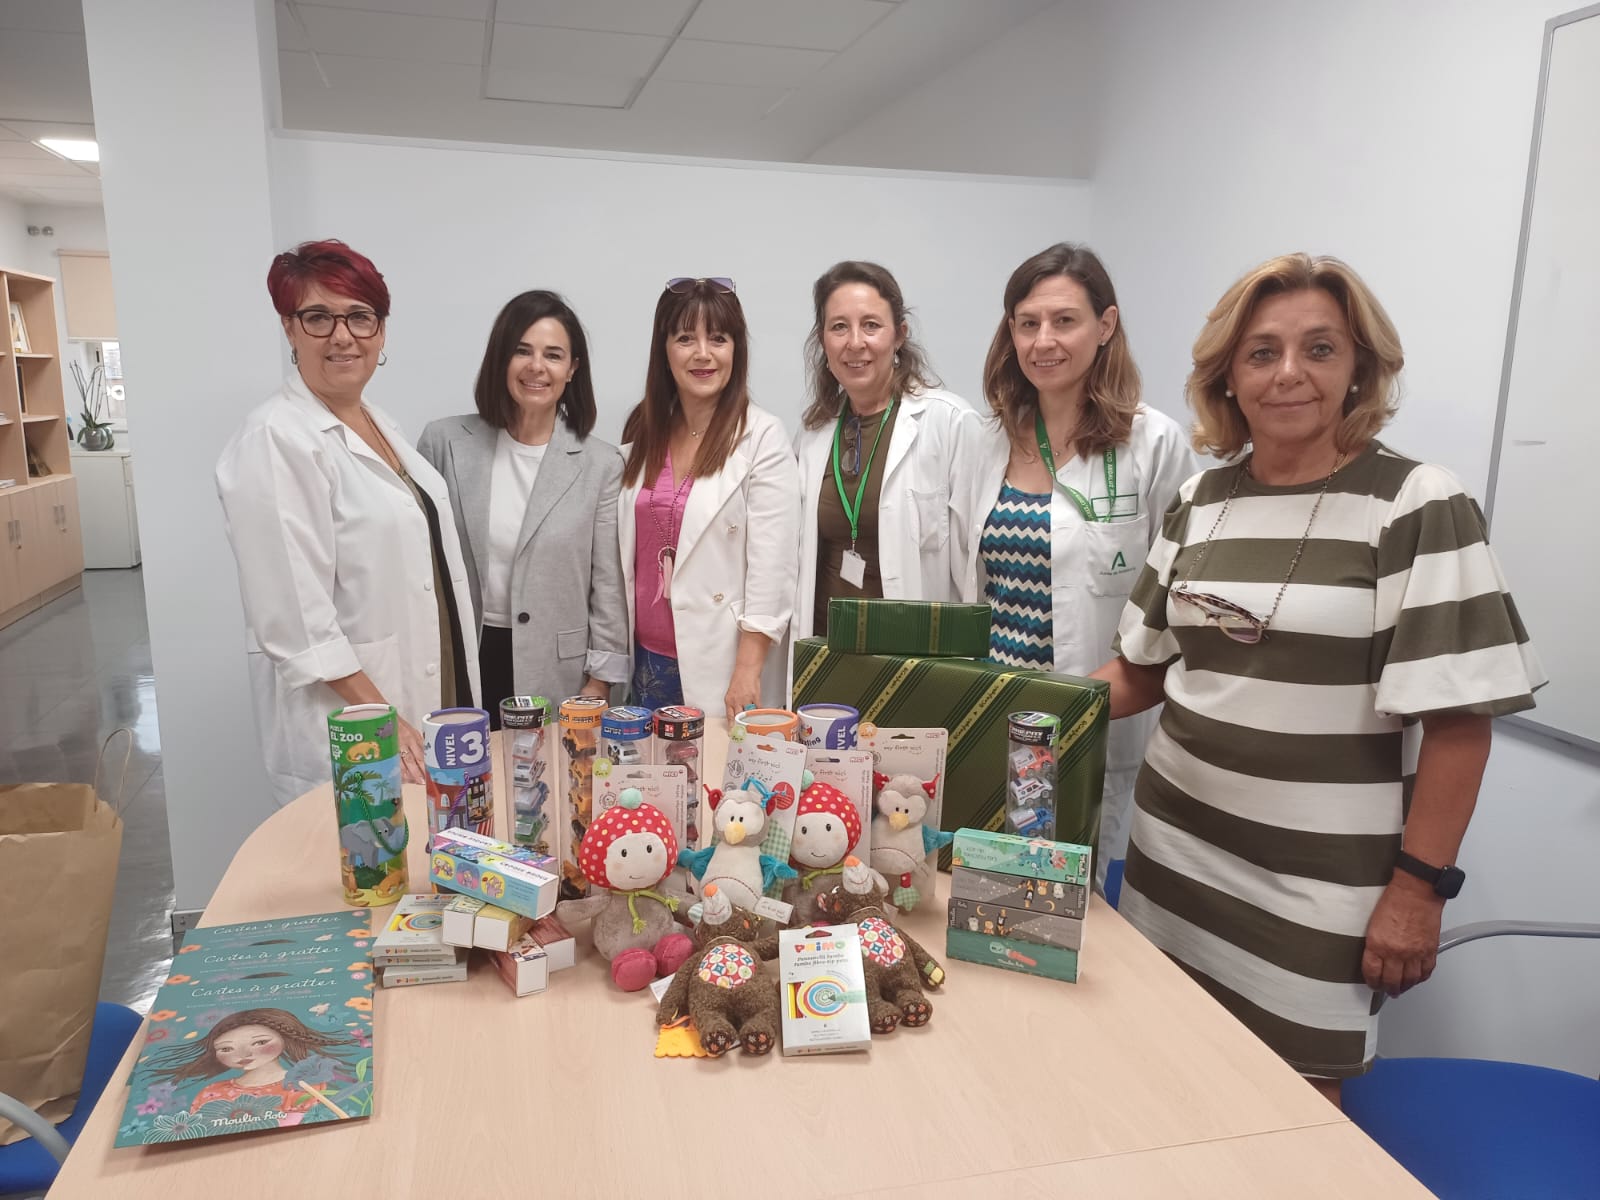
(265, 1025)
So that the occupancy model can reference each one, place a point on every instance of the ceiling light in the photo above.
(77, 149)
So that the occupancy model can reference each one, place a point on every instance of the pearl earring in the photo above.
(1228, 392)
(1354, 388)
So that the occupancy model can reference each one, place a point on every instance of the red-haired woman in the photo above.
(349, 563)
(710, 514)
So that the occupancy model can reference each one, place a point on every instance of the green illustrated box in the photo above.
(1017, 924)
(1009, 854)
(972, 699)
(925, 627)
(1050, 962)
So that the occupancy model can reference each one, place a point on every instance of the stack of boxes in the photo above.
(499, 898)
(1018, 903)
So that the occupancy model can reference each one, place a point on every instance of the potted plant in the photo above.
(96, 433)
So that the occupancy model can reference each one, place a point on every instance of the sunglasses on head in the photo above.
(1235, 621)
(684, 284)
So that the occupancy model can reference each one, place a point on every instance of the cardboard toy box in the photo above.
(1016, 891)
(972, 700)
(926, 627)
(512, 877)
(1009, 854)
(1017, 924)
(1050, 962)
(824, 990)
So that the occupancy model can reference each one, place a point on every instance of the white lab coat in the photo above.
(734, 568)
(923, 530)
(336, 574)
(1093, 567)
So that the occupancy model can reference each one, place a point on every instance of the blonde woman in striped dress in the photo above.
(1332, 637)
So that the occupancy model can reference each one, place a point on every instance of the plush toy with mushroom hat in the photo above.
(727, 986)
(735, 863)
(627, 855)
(901, 841)
(827, 829)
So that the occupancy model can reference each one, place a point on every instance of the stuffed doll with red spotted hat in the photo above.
(827, 829)
(627, 855)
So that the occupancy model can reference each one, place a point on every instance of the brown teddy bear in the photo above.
(726, 986)
(894, 963)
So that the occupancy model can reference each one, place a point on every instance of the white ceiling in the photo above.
(775, 80)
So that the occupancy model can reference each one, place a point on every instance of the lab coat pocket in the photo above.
(933, 518)
(572, 643)
(1116, 554)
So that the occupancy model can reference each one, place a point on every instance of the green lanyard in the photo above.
(1073, 494)
(853, 513)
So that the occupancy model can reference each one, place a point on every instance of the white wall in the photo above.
(1395, 136)
(458, 231)
(191, 234)
(13, 234)
(1025, 104)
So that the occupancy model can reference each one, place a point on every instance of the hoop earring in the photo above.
(383, 357)
(294, 357)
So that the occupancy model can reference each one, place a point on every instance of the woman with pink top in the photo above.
(709, 514)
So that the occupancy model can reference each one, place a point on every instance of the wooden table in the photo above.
(1133, 1081)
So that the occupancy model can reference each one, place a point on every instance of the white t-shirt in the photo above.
(515, 468)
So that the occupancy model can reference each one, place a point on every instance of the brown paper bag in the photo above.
(59, 846)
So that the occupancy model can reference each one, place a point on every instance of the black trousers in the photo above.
(494, 670)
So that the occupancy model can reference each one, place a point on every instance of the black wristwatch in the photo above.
(1446, 881)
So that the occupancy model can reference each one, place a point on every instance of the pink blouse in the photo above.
(658, 517)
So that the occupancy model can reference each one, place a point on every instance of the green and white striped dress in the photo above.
(1271, 802)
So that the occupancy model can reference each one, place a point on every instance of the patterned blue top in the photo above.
(1015, 549)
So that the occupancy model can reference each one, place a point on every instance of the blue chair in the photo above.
(29, 1167)
(1475, 1130)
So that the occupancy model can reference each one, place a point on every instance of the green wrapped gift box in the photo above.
(928, 628)
(972, 699)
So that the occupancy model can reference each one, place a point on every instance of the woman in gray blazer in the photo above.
(535, 500)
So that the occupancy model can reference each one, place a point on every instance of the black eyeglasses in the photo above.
(683, 284)
(320, 323)
(1235, 621)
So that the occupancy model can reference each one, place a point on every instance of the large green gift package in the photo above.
(924, 627)
(971, 699)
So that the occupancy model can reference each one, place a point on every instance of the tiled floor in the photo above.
(70, 674)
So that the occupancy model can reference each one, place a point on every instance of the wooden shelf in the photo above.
(37, 418)
(40, 357)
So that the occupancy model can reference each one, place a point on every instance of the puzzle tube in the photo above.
(364, 746)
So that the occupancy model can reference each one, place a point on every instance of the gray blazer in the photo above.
(569, 614)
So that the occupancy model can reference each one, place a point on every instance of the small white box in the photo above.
(560, 947)
(525, 967)
(498, 928)
(459, 916)
(824, 990)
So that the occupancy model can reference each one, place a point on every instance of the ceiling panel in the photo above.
(44, 16)
(394, 36)
(542, 48)
(816, 24)
(557, 87)
(310, 105)
(658, 17)
(44, 75)
(715, 105)
(31, 130)
(472, 10)
(48, 165)
(753, 66)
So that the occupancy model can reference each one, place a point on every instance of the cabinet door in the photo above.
(70, 552)
(33, 547)
(10, 561)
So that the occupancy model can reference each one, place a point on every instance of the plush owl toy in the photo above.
(901, 841)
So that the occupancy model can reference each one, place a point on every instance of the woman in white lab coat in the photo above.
(881, 449)
(1070, 491)
(708, 515)
(349, 565)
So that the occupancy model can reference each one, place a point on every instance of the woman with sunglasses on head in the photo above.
(1068, 497)
(350, 570)
(881, 449)
(1308, 610)
(535, 499)
(710, 514)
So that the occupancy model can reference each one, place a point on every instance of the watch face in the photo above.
(1450, 881)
